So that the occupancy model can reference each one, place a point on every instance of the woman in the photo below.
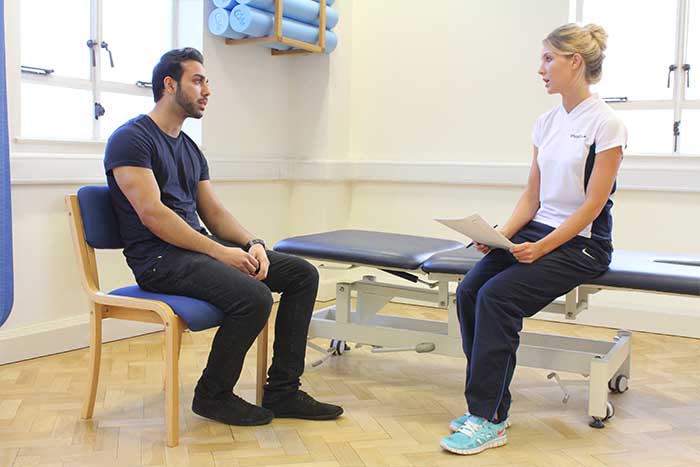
(561, 227)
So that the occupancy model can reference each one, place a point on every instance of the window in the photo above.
(81, 82)
(647, 72)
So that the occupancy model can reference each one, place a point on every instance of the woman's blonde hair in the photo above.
(589, 41)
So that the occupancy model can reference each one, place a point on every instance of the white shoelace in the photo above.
(469, 428)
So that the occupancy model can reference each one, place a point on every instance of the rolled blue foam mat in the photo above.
(227, 4)
(328, 2)
(258, 23)
(220, 25)
(306, 11)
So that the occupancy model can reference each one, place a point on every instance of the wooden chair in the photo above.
(94, 226)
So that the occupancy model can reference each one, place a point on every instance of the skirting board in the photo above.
(63, 335)
(72, 333)
(614, 317)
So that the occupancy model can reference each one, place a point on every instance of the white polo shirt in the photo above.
(567, 144)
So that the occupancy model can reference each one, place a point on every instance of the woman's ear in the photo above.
(576, 61)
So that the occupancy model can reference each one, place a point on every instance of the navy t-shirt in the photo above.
(178, 166)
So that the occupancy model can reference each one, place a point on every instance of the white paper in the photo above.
(476, 228)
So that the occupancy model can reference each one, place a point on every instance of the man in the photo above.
(159, 184)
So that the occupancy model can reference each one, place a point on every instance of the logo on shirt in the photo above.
(574, 135)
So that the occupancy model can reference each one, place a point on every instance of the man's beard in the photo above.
(189, 108)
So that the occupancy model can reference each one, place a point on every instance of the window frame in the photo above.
(678, 102)
(95, 84)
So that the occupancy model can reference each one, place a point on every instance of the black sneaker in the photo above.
(231, 410)
(301, 405)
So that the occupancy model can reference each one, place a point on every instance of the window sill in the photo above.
(639, 172)
(62, 146)
(46, 146)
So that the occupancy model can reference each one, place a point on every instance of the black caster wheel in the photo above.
(609, 413)
(618, 384)
(597, 423)
(339, 346)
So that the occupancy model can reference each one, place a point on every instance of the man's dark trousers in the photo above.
(246, 303)
(498, 293)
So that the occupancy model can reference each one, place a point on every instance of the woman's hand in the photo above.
(481, 248)
(484, 249)
(528, 252)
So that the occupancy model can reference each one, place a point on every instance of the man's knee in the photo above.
(311, 272)
(262, 306)
(263, 299)
(305, 275)
(259, 300)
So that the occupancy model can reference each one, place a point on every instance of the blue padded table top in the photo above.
(639, 270)
(453, 262)
(657, 272)
(379, 249)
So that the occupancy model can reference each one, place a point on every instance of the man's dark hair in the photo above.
(170, 65)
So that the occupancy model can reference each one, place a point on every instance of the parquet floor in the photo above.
(397, 407)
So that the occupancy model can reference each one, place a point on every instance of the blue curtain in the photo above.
(6, 279)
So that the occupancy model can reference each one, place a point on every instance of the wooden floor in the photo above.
(397, 408)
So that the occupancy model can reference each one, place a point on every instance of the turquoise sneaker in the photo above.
(476, 435)
(457, 423)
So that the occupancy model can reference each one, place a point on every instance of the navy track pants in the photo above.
(498, 293)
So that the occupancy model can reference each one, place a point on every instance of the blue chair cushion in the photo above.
(198, 314)
(99, 219)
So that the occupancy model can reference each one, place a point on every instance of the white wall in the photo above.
(248, 112)
(265, 107)
(248, 121)
(454, 82)
(320, 96)
(50, 308)
(442, 101)
(407, 120)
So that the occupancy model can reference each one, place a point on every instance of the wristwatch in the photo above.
(255, 241)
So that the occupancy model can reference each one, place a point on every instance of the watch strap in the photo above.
(255, 241)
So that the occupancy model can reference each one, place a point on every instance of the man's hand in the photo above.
(258, 252)
(528, 252)
(238, 258)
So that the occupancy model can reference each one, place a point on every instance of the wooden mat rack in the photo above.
(300, 47)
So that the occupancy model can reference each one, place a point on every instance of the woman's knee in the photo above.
(496, 298)
(487, 293)
(467, 290)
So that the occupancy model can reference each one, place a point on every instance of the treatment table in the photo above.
(432, 264)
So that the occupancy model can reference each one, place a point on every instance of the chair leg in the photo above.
(181, 331)
(178, 344)
(95, 355)
(173, 337)
(261, 370)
